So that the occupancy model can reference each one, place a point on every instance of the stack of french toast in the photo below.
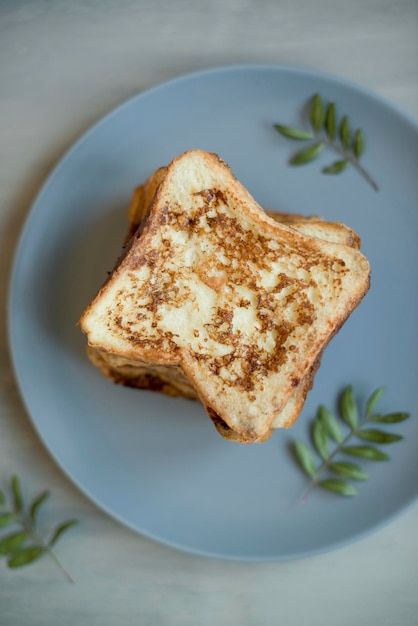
(216, 300)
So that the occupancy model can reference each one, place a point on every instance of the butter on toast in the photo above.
(238, 303)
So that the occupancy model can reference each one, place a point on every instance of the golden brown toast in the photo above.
(169, 382)
(242, 306)
(309, 225)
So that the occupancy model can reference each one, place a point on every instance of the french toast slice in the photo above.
(312, 225)
(172, 382)
(212, 286)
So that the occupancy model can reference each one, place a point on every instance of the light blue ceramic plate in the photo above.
(156, 463)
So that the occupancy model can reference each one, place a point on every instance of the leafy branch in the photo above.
(24, 545)
(328, 133)
(326, 427)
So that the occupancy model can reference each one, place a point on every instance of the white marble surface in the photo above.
(62, 65)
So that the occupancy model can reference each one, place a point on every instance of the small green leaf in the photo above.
(307, 154)
(2, 498)
(6, 519)
(345, 132)
(326, 426)
(317, 113)
(17, 494)
(378, 436)
(61, 529)
(36, 504)
(331, 121)
(372, 401)
(12, 542)
(348, 406)
(26, 556)
(390, 418)
(349, 470)
(338, 486)
(325, 129)
(305, 457)
(336, 168)
(293, 133)
(330, 424)
(366, 452)
(358, 143)
(320, 439)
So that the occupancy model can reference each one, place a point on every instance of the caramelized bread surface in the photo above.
(171, 381)
(312, 225)
(241, 305)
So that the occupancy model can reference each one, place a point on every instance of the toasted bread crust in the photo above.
(312, 225)
(246, 384)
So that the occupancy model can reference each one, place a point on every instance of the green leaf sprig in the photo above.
(23, 545)
(326, 428)
(327, 132)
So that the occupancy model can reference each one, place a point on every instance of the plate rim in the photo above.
(36, 206)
